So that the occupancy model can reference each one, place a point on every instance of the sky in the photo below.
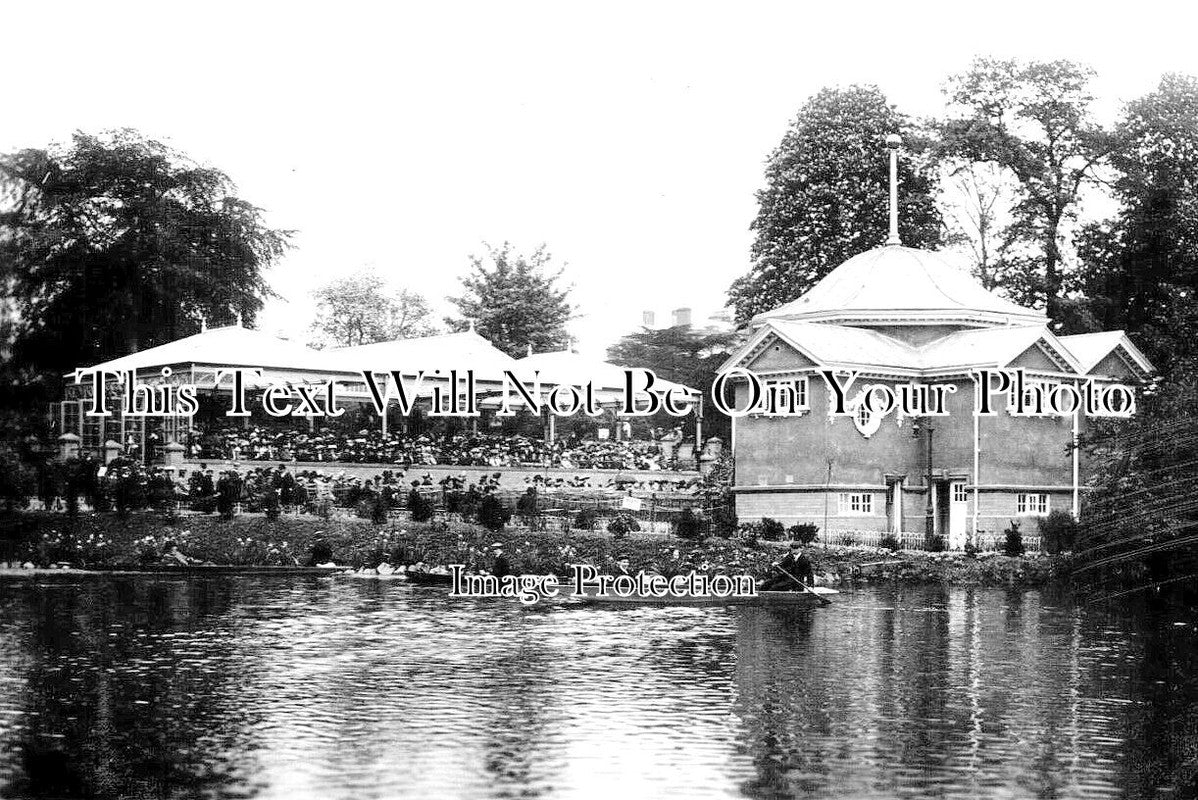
(630, 138)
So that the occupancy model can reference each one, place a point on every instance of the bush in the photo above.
(420, 507)
(491, 513)
(771, 530)
(936, 544)
(378, 509)
(848, 540)
(723, 520)
(804, 532)
(971, 549)
(319, 553)
(585, 519)
(1058, 532)
(890, 542)
(622, 525)
(687, 526)
(1013, 543)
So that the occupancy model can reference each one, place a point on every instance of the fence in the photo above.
(911, 540)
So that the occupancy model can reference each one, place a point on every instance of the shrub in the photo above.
(491, 513)
(804, 532)
(1013, 543)
(848, 540)
(1058, 531)
(723, 520)
(971, 549)
(270, 503)
(889, 542)
(622, 525)
(319, 553)
(378, 509)
(687, 526)
(771, 529)
(936, 544)
(585, 519)
(419, 506)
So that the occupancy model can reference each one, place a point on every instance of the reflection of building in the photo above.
(897, 315)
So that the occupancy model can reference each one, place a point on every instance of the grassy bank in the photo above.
(106, 540)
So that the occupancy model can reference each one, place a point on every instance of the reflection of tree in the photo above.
(1161, 757)
(776, 699)
(113, 708)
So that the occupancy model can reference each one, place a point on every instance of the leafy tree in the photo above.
(976, 203)
(514, 301)
(116, 243)
(1032, 119)
(826, 197)
(685, 355)
(362, 309)
(1141, 269)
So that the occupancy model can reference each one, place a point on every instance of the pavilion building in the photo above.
(896, 315)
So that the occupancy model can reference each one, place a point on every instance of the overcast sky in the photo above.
(628, 137)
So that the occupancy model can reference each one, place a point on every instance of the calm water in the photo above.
(318, 687)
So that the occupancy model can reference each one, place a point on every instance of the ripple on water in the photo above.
(307, 687)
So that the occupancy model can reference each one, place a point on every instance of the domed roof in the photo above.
(903, 285)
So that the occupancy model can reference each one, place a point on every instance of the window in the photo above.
(1031, 503)
(959, 493)
(786, 398)
(856, 503)
(863, 416)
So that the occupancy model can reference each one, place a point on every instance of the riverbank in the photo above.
(108, 541)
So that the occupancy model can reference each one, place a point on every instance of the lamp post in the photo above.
(930, 519)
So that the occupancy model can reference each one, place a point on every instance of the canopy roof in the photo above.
(904, 285)
(460, 351)
(230, 346)
(572, 369)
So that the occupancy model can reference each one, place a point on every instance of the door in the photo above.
(894, 506)
(958, 510)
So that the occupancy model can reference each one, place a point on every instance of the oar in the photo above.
(825, 601)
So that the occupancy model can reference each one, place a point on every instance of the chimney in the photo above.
(647, 318)
(682, 317)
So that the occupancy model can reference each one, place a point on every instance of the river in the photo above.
(349, 688)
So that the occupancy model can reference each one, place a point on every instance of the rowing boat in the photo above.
(811, 598)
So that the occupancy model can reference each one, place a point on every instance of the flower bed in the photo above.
(105, 540)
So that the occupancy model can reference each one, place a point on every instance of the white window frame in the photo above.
(856, 504)
(960, 493)
(1031, 504)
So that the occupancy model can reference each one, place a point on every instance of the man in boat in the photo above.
(794, 572)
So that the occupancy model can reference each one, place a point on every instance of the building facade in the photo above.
(905, 319)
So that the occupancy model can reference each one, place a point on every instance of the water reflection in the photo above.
(314, 687)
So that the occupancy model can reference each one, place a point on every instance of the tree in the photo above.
(1032, 119)
(826, 197)
(976, 202)
(1141, 269)
(362, 309)
(116, 242)
(684, 355)
(515, 301)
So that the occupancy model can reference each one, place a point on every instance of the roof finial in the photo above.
(530, 348)
(471, 321)
(893, 143)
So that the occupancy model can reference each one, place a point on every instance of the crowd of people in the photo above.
(469, 449)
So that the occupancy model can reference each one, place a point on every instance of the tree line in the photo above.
(113, 243)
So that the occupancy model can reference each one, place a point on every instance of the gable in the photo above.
(1114, 366)
(1034, 358)
(776, 354)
